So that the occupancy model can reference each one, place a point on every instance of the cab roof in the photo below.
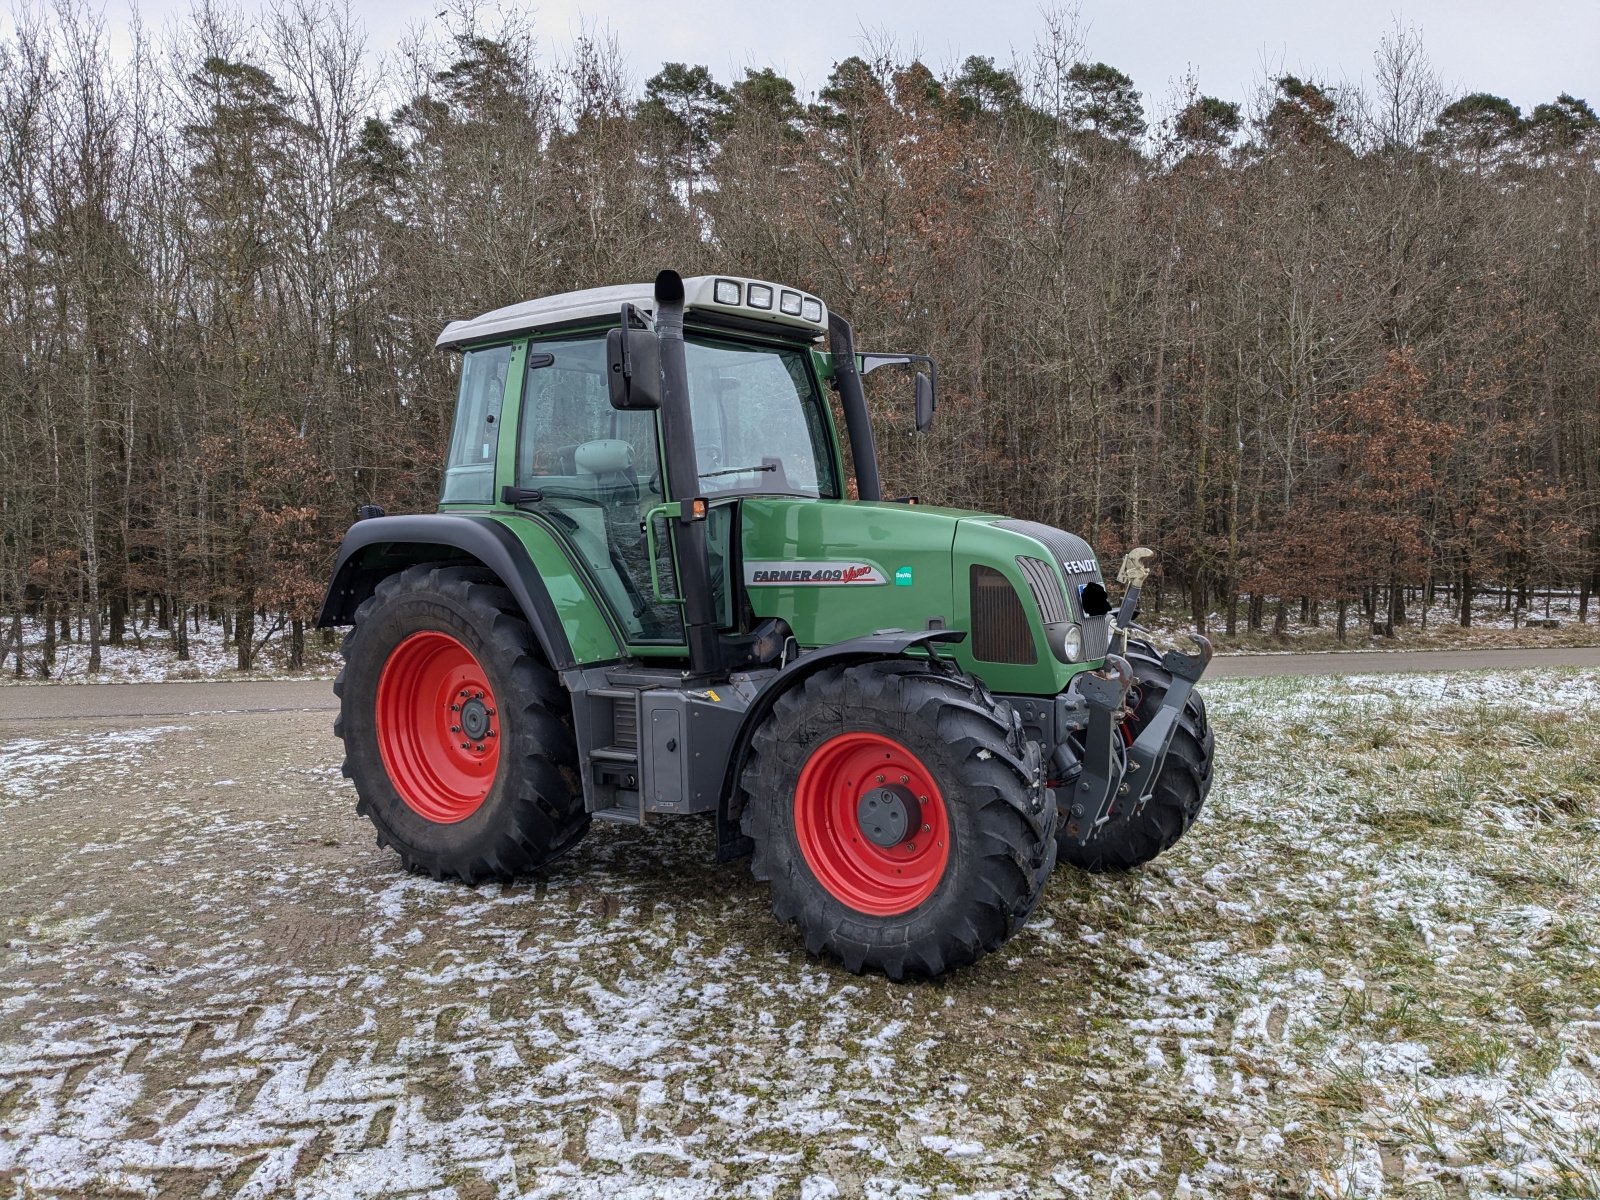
(728, 298)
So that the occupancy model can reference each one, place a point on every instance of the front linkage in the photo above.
(1110, 769)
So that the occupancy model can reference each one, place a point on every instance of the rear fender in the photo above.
(380, 546)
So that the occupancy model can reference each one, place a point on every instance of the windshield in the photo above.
(758, 421)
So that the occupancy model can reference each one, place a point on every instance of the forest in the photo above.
(1328, 347)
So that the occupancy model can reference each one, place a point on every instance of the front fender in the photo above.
(891, 643)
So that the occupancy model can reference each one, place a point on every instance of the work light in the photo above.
(760, 296)
(789, 304)
(811, 309)
(726, 291)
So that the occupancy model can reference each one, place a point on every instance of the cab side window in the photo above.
(469, 468)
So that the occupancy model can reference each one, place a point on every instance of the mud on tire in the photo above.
(532, 811)
(1001, 829)
(1180, 789)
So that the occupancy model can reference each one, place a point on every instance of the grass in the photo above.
(1374, 965)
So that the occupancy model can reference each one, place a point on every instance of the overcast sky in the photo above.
(1527, 51)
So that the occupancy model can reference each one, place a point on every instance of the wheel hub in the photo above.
(475, 719)
(888, 815)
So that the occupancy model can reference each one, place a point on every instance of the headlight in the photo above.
(1072, 643)
(789, 304)
(726, 291)
(760, 296)
(811, 310)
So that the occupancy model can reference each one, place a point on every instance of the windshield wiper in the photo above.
(739, 471)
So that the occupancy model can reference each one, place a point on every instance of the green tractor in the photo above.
(645, 594)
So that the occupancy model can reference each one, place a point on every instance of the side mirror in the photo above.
(633, 369)
(927, 390)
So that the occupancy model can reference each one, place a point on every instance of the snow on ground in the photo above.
(1371, 969)
(150, 658)
(1493, 625)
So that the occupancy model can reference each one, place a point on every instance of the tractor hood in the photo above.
(836, 570)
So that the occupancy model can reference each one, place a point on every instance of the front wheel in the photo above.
(899, 817)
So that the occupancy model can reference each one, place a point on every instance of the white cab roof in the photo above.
(597, 304)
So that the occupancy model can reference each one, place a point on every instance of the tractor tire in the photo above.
(457, 736)
(962, 837)
(1180, 789)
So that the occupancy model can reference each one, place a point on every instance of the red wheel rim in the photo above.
(843, 778)
(438, 725)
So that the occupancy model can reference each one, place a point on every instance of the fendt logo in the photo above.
(811, 573)
(1078, 566)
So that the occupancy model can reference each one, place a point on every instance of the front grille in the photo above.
(1096, 637)
(1000, 632)
(1046, 587)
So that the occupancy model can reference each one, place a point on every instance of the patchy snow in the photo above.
(1372, 968)
(148, 656)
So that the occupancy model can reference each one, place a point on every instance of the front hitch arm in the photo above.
(1110, 771)
(1148, 753)
(1100, 781)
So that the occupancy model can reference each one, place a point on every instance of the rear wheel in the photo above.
(456, 736)
(899, 816)
(1180, 789)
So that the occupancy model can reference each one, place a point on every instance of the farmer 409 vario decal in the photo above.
(758, 573)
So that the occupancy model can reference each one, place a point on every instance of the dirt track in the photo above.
(48, 702)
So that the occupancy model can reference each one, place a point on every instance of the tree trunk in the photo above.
(119, 618)
(1339, 620)
(16, 633)
(245, 633)
(1280, 620)
(48, 660)
(1466, 598)
(1197, 603)
(180, 631)
(297, 644)
(1233, 612)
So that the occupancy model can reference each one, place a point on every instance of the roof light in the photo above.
(789, 304)
(726, 291)
(760, 296)
(811, 310)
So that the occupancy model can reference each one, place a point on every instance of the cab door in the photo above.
(593, 474)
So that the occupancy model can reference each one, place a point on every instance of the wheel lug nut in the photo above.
(880, 778)
(464, 746)
(455, 729)
(489, 734)
(911, 847)
(480, 745)
(905, 779)
(926, 828)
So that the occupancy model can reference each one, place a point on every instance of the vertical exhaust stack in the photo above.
(863, 452)
(683, 477)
